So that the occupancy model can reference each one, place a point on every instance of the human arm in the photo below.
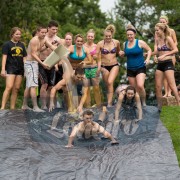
(118, 46)
(3, 71)
(122, 53)
(107, 135)
(88, 60)
(173, 35)
(72, 136)
(118, 106)
(50, 45)
(173, 47)
(144, 45)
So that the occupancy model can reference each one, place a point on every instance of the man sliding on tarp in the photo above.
(88, 129)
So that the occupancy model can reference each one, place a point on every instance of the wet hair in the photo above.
(52, 23)
(68, 33)
(91, 31)
(164, 17)
(88, 112)
(78, 35)
(110, 28)
(130, 27)
(79, 70)
(40, 27)
(13, 31)
(164, 28)
(131, 88)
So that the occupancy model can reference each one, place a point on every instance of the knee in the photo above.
(140, 87)
(9, 89)
(109, 83)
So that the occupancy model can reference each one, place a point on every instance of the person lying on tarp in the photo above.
(129, 101)
(78, 78)
(88, 129)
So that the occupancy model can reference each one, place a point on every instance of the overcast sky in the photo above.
(106, 5)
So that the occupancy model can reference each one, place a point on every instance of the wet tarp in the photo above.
(31, 150)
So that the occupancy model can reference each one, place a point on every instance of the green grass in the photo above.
(170, 116)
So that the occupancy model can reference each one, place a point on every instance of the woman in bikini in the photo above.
(107, 50)
(136, 64)
(164, 19)
(164, 48)
(92, 71)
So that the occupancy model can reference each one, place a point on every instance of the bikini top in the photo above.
(93, 52)
(112, 51)
(163, 48)
(74, 56)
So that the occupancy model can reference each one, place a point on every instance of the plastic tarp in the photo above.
(31, 150)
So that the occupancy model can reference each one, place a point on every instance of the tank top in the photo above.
(135, 58)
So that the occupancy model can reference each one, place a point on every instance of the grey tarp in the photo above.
(29, 152)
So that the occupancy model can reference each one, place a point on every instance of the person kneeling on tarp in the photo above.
(88, 128)
(129, 101)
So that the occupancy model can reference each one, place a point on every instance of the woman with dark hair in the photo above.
(129, 101)
(13, 56)
(136, 64)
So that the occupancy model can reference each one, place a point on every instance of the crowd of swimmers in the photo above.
(89, 62)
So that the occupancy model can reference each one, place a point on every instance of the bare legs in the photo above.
(13, 84)
(109, 78)
(138, 83)
(169, 75)
(167, 88)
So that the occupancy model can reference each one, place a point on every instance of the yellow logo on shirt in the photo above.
(18, 51)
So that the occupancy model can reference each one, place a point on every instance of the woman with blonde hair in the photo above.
(107, 50)
(92, 71)
(164, 48)
(136, 63)
(165, 20)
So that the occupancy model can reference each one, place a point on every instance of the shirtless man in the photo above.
(31, 66)
(88, 128)
(46, 76)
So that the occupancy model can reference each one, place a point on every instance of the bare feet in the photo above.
(37, 109)
(165, 95)
(26, 108)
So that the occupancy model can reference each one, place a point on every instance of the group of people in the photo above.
(86, 61)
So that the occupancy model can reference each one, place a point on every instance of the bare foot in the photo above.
(37, 109)
(26, 108)
(43, 107)
(165, 95)
(169, 95)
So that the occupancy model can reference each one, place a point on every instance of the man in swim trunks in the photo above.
(31, 66)
(46, 76)
(87, 129)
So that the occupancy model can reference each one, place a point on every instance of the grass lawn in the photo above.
(170, 116)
